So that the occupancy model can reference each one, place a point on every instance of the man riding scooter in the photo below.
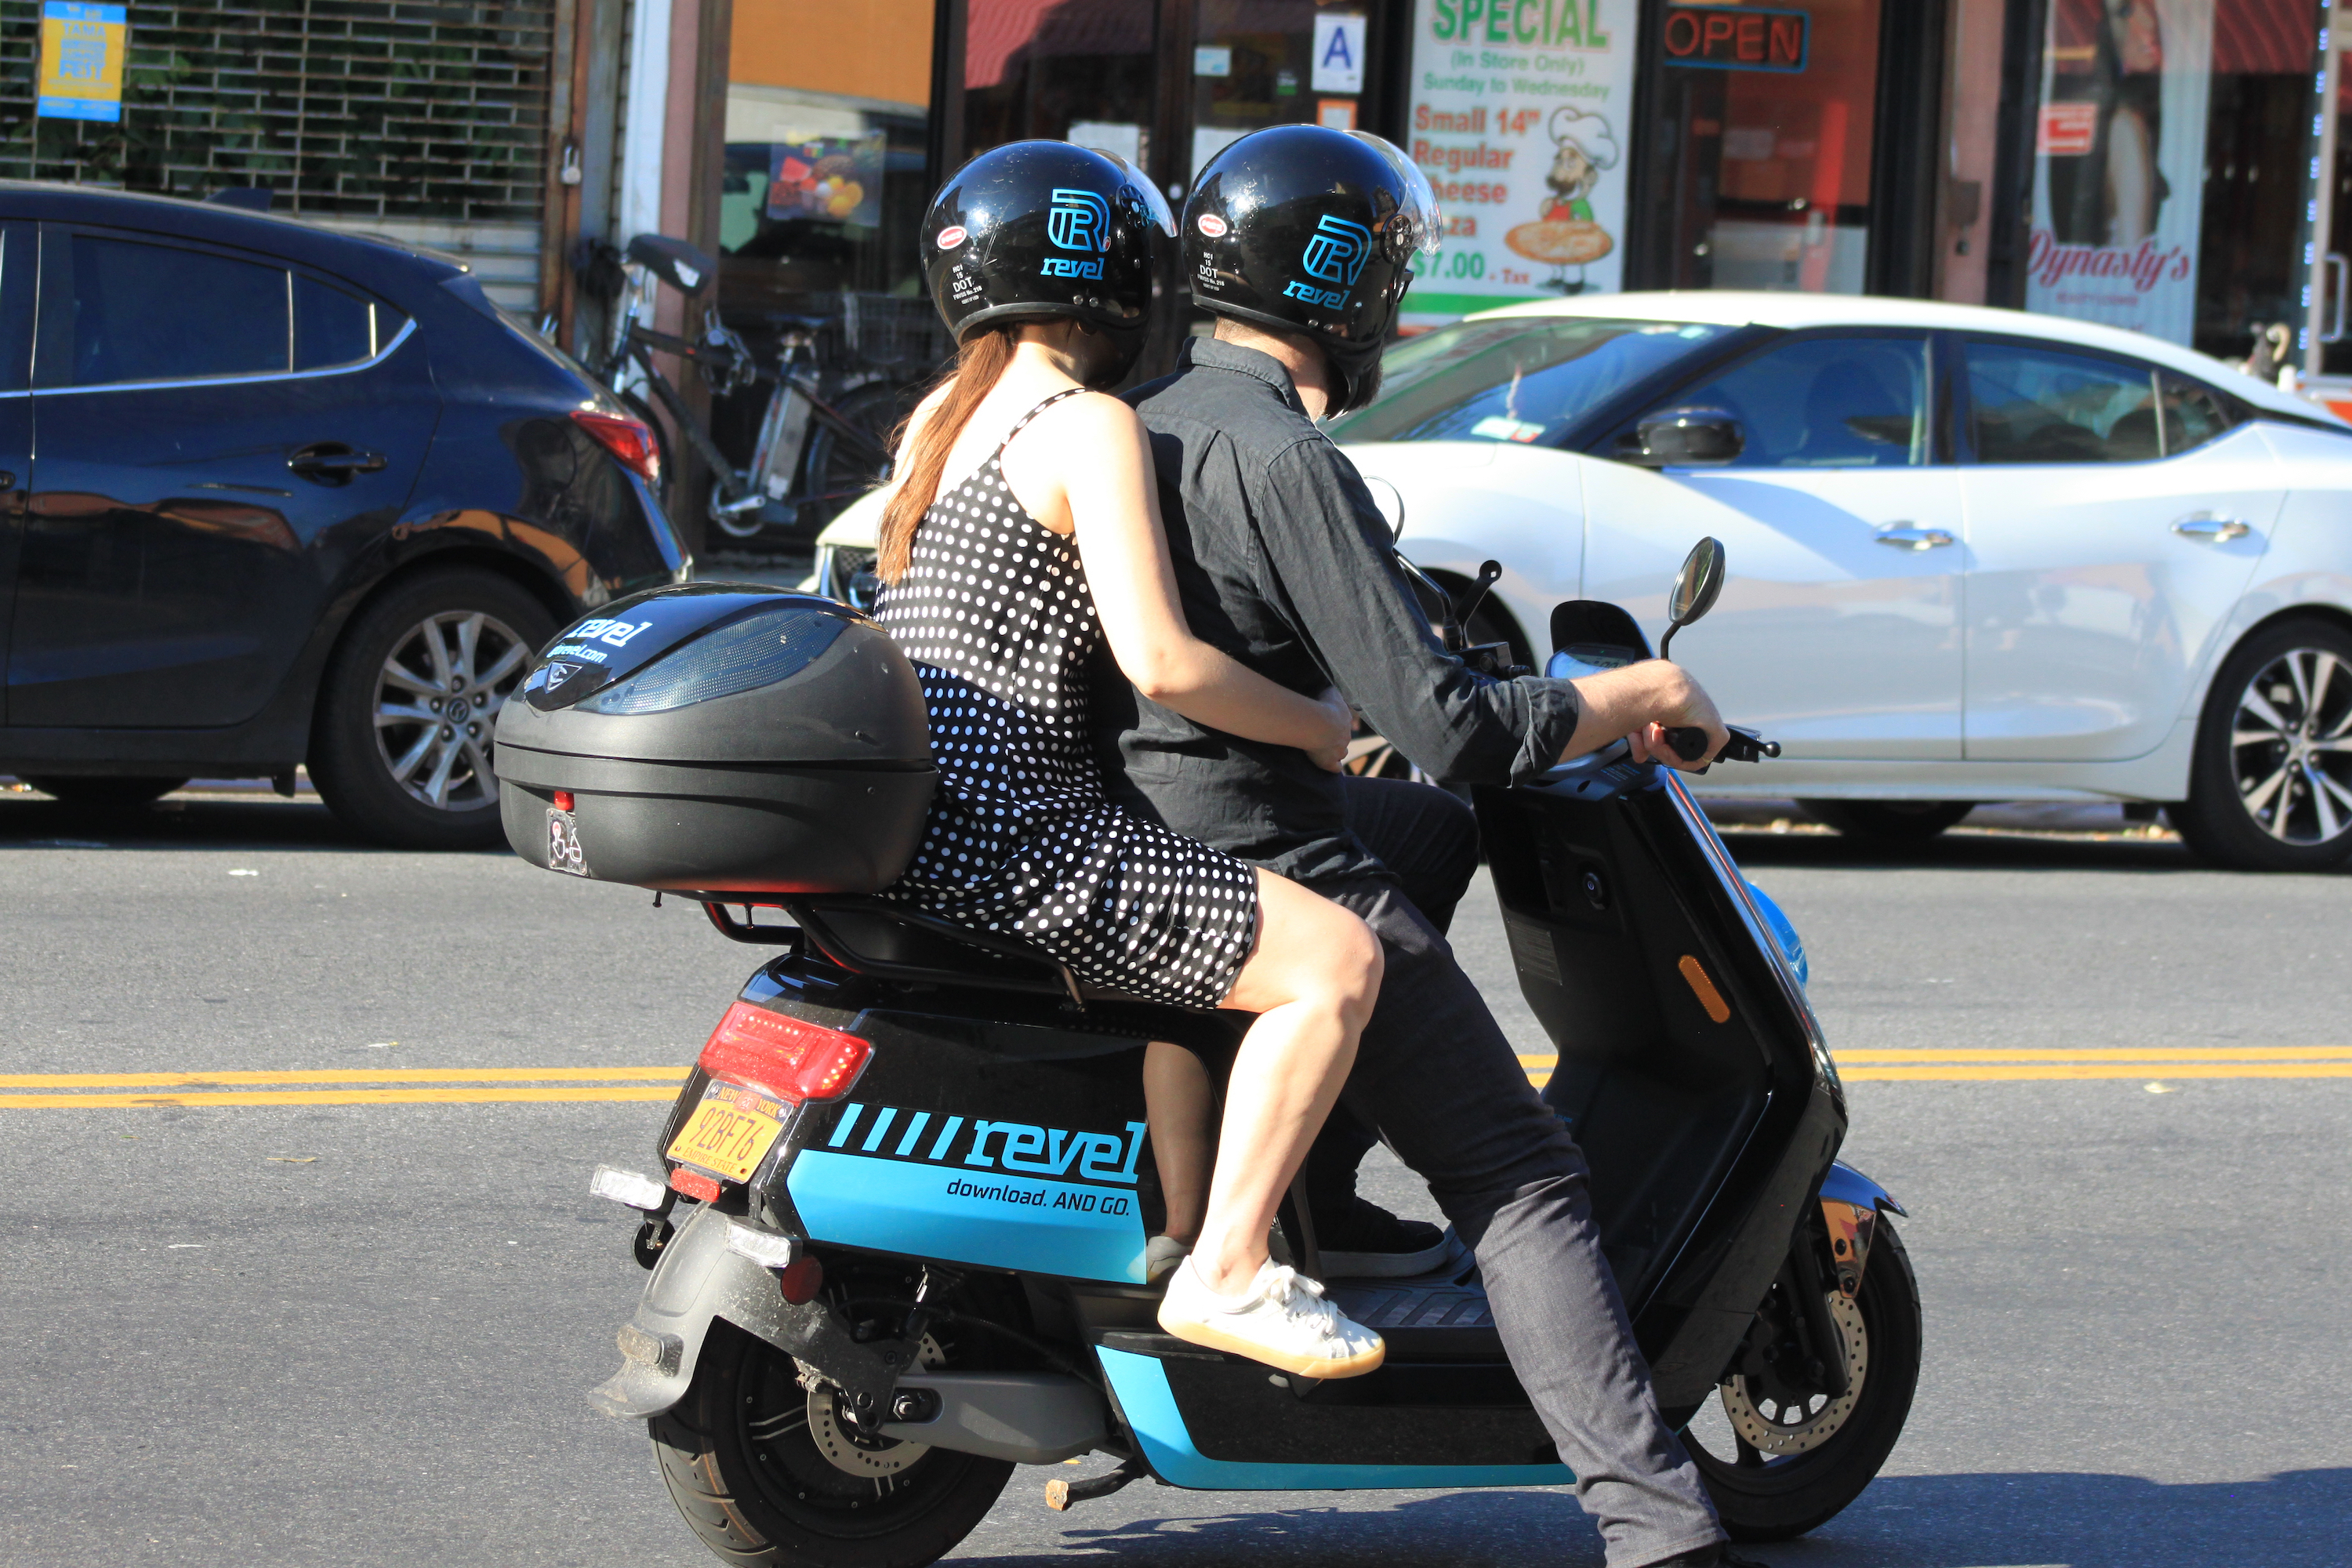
(1299, 239)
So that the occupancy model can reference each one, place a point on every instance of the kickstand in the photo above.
(1060, 1495)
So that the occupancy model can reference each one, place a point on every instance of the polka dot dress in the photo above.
(994, 611)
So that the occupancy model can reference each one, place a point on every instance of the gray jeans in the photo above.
(1435, 1075)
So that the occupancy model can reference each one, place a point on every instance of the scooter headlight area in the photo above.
(898, 1247)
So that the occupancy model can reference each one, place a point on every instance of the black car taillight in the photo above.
(628, 439)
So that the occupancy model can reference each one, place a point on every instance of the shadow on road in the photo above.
(1963, 851)
(2026, 1521)
(180, 822)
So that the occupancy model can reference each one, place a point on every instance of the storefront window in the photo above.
(826, 141)
(1079, 70)
(1765, 134)
(1257, 63)
(2171, 148)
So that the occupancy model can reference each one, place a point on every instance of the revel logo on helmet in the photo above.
(1336, 252)
(1078, 220)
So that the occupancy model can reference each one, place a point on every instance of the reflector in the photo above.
(695, 1185)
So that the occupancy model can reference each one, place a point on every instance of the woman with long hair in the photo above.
(1023, 533)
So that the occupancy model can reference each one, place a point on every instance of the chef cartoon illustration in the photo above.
(1564, 233)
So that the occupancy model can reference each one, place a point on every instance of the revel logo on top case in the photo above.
(1078, 220)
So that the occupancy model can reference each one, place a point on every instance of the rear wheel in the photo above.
(401, 751)
(103, 793)
(767, 1472)
(1780, 1458)
(2270, 788)
(1888, 821)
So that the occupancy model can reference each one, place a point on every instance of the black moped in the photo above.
(897, 1248)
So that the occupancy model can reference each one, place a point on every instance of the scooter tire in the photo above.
(1779, 1500)
(765, 1503)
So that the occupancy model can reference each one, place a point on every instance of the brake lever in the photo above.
(1742, 745)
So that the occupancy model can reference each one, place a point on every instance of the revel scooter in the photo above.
(897, 1244)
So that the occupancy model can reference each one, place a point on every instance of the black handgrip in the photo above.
(1688, 741)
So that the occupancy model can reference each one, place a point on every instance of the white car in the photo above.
(1974, 555)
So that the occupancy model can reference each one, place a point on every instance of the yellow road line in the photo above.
(337, 1074)
(340, 1097)
(2021, 1073)
(2113, 1054)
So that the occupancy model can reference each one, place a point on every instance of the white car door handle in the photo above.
(1903, 536)
(2207, 528)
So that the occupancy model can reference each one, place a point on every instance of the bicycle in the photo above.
(811, 452)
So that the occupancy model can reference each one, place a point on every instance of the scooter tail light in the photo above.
(628, 439)
(794, 1060)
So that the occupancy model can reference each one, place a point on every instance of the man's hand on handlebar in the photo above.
(1640, 703)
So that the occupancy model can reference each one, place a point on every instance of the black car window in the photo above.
(1826, 403)
(2035, 404)
(331, 327)
(1514, 378)
(154, 313)
(2193, 413)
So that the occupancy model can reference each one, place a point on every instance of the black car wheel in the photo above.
(103, 793)
(2270, 787)
(402, 748)
(1888, 821)
(1780, 1458)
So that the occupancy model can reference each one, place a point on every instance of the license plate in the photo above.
(730, 1132)
(564, 851)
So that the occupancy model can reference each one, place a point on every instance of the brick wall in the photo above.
(352, 109)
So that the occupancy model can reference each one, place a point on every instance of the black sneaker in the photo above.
(1366, 1242)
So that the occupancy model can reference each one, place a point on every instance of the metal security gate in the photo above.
(426, 122)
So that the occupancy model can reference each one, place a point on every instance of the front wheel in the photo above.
(766, 1472)
(1778, 1458)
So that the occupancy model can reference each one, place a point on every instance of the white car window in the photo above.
(2193, 413)
(1827, 403)
(2045, 406)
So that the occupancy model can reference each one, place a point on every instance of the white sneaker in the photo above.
(1283, 1321)
(1161, 1253)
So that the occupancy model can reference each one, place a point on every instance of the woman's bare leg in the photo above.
(1312, 979)
(1178, 1103)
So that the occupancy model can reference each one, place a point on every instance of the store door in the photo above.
(1761, 146)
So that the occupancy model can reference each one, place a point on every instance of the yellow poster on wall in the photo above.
(83, 48)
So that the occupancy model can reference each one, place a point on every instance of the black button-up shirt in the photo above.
(1283, 562)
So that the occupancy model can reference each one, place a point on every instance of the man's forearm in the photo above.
(1622, 702)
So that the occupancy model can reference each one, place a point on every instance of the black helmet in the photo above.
(1306, 228)
(1039, 230)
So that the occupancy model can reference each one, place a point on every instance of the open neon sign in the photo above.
(1735, 37)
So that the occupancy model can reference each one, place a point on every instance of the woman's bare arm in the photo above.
(1112, 495)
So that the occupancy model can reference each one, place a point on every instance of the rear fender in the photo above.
(699, 1279)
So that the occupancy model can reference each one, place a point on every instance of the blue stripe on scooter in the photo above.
(1150, 1405)
(968, 1216)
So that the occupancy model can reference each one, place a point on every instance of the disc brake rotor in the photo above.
(848, 1451)
(1771, 1424)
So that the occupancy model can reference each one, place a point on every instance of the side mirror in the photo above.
(1390, 500)
(1695, 590)
(1683, 438)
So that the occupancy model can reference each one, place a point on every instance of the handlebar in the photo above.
(1689, 743)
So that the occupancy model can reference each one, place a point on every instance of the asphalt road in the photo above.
(303, 1334)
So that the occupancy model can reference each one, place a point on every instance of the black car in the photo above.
(279, 495)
